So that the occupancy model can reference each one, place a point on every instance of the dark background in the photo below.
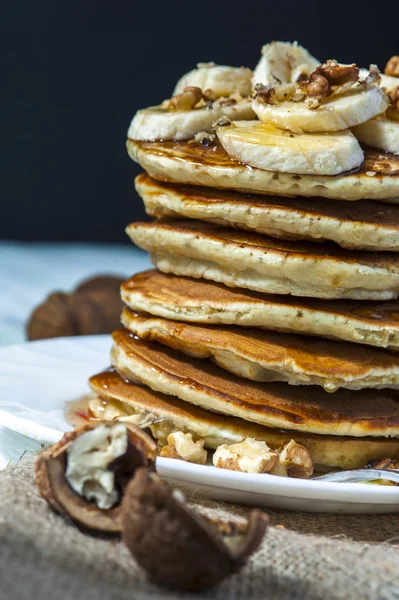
(73, 74)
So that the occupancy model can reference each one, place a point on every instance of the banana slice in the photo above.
(335, 113)
(283, 62)
(222, 80)
(273, 149)
(380, 132)
(158, 123)
(387, 82)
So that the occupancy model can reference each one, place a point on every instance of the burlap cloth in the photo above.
(303, 556)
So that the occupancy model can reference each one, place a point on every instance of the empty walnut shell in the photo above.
(177, 547)
(93, 308)
(53, 486)
(51, 319)
(100, 282)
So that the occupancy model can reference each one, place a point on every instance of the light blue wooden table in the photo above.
(28, 272)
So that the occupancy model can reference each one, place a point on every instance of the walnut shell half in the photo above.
(93, 308)
(174, 545)
(51, 468)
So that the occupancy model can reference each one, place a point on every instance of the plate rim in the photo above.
(261, 484)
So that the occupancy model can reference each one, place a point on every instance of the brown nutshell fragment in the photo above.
(51, 482)
(53, 318)
(174, 545)
(94, 308)
(100, 282)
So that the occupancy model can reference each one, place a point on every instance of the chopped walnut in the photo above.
(383, 168)
(182, 446)
(312, 103)
(384, 464)
(209, 96)
(190, 96)
(294, 461)
(265, 93)
(392, 67)
(160, 430)
(318, 86)
(249, 456)
(329, 77)
(278, 93)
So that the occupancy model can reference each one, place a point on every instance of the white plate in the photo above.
(37, 378)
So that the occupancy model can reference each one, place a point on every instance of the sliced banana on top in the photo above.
(283, 62)
(387, 82)
(220, 79)
(273, 149)
(332, 99)
(334, 114)
(380, 132)
(185, 115)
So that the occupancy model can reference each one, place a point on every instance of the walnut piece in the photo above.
(187, 100)
(294, 461)
(318, 86)
(382, 464)
(280, 92)
(328, 77)
(383, 168)
(182, 446)
(392, 67)
(209, 95)
(249, 456)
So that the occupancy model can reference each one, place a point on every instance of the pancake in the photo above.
(200, 301)
(210, 166)
(269, 356)
(328, 452)
(363, 225)
(264, 264)
(309, 409)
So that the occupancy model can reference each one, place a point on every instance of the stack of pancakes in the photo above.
(272, 313)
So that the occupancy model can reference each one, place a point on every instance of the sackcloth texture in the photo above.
(303, 556)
